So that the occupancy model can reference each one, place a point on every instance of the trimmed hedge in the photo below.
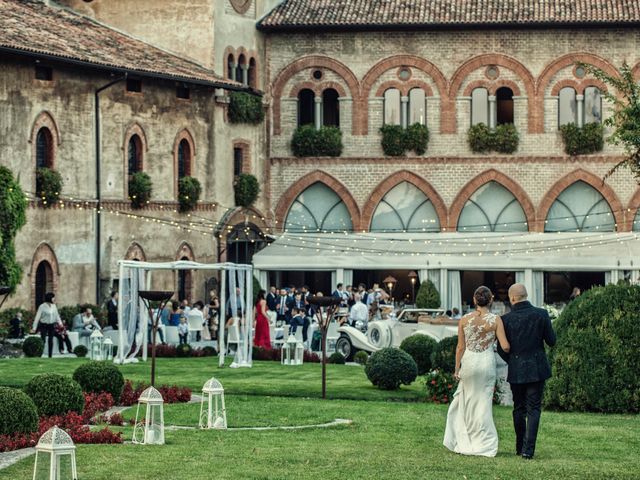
(428, 296)
(55, 394)
(245, 108)
(420, 347)
(336, 358)
(390, 367)
(18, 413)
(396, 141)
(503, 139)
(189, 191)
(444, 355)
(183, 350)
(33, 347)
(309, 142)
(595, 362)
(582, 141)
(361, 357)
(99, 377)
(48, 185)
(140, 189)
(246, 189)
(80, 351)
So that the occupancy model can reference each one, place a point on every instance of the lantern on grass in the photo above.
(292, 352)
(57, 444)
(149, 430)
(107, 347)
(215, 415)
(96, 341)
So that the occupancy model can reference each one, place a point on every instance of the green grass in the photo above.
(388, 439)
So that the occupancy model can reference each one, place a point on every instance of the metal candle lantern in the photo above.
(325, 309)
(149, 430)
(57, 444)
(96, 341)
(147, 297)
(215, 415)
(292, 352)
(108, 349)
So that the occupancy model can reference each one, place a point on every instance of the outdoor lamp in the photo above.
(288, 352)
(57, 444)
(149, 428)
(390, 282)
(215, 415)
(107, 348)
(96, 341)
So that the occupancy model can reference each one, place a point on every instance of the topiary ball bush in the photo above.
(595, 361)
(99, 377)
(336, 358)
(18, 413)
(209, 351)
(420, 347)
(390, 367)
(428, 296)
(55, 394)
(444, 354)
(183, 350)
(361, 357)
(33, 347)
(81, 351)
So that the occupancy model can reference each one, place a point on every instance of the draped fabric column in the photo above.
(611, 276)
(444, 288)
(635, 276)
(263, 279)
(536, 296)
(347, 277)
(455, 291)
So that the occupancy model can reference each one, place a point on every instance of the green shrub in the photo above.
(55, 394)
(209, 351)
(13, 207)
(417, 138)
(595, 362)
(393, 140)
(189, 191)
(246, 189)
(390, 367)
(80, 351)
(444, 355)
(361, 357)
(183, 350)
(582, 141)
(440, 386)
(99, 377)
(18, 413)
(67, 313)
(420, 347)
(48, 185)
(33, 347)
(309, 142)
(480, 138)
(336, 358)
(140, 188)
(245, 108)
(428, 296)
(505, 138)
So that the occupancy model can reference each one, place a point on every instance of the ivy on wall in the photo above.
(13, 208)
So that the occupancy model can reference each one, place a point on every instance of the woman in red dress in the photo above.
(261, 325)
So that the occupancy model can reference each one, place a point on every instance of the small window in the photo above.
(134, 155)
(240, 70)
(392, 107)
(480, 106)
(44, 148)
(183, 92)
(306, 105)
(44, 73)
(253, 74)
(317, 74)
(592, 105)
(330, 108)
(504, 106)
(184, 159)
(417, 107)
(566, 106)
(238, 157)
(134, 85)
(231, 65)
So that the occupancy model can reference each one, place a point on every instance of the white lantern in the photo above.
(95, 345)
(149, 430)
(292, 352)
(215, 415)
(57, 444)
(107, 349)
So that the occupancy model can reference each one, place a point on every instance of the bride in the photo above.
(470, 429)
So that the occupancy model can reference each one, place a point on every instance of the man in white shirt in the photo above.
(195, 317)
(359, 312)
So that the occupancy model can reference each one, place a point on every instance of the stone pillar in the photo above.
(233, 71)
(404, 111)
(493, 113)
(580, 110)
(245, 74)
(317, 111)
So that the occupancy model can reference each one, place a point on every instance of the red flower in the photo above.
(433, 382)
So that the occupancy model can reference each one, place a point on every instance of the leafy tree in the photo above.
(428, 296)
(625, 120)
(13, 208)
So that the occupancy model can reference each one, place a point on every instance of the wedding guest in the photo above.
(261, 323)
(296, 320)
(282, 308)
(455, 314)
(196, 317)
(176, 314)
(359, 312)
(575, 293)
(89, 322)
(448, 313)
(63, 338)
(237, 303)
(362, 291)
(212, 313)
(46, 318)
(16, 330)
(300, 306)
(183, 331)
(112, 310)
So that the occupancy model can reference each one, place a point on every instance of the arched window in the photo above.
(504, 106)
(567, 106)
(306, 103)
(479, 106)
(243, 241)
(241, 70)
(417, 106)
(492, 208)
(44, 148)
(405, 208)
(330, 108)
(636, 222)
(185, 283)
(580, 208)
(231, 67)
(392, 107)
(134, 155)
(184, 159)
(44, 281)
(253, 74)
(318, 208)
(592, 105)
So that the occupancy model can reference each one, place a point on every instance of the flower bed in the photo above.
(170, 393)
(171, 351)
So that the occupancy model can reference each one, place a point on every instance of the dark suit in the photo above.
(527, 328)
(272, 301)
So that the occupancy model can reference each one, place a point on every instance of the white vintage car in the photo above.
(390, 332)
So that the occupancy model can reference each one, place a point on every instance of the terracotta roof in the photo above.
(31, 27)
(389, 14)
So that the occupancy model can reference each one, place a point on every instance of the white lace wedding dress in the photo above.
(470, 429)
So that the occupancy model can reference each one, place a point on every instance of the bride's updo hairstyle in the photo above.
(483, 296)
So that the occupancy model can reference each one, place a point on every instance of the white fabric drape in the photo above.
(454, 290)
(611, 276)
(635, 276)
(348, 277)
(334, 280)
(536, 296)
(263, 279)
(132, 314)
(520, 277)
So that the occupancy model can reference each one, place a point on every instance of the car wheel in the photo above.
(379, 335)
(345, 348)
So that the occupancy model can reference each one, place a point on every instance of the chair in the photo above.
(278, 342)
(74, 338)
(332, 335)
(195, 323)
(233, 335)
(171, 335)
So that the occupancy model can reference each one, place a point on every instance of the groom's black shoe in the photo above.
(527, 457)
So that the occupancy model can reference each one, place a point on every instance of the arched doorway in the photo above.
(185, 283)
(243, 242)
(44, 281)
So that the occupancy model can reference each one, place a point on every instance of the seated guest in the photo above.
(16, 330)
(448, 313)
(89, 321)
(456, 314)
(297, 319)
(63, 338)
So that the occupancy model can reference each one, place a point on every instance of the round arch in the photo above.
(589, 178)
(184, 278)
(43, 253)
(491, 175)
(183, 135)
(288, 197)
(395, 179)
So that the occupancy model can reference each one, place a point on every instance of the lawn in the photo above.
(388, 439)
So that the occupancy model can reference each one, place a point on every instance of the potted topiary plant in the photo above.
(48, 185)
(246, 189)
(189, 191)
(140, 188)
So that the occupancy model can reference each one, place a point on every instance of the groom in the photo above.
(527, 329)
